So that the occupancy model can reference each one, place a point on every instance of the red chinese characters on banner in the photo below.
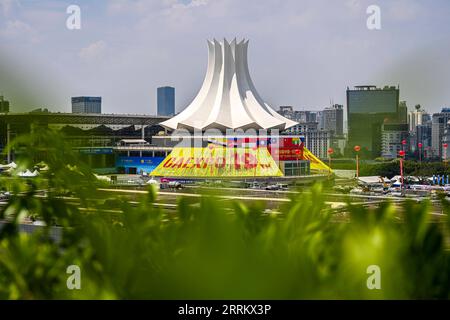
(287, 149)
(218, 162)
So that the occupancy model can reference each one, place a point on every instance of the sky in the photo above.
(303, 53)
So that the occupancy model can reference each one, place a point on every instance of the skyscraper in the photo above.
(368, 108)
(166, 101)
(297, 115)
(402, 112)
(439, 128)
(86, 104)
(415, 118)
(423, 136)
(332, 119)
(287, 111)
(392, 137)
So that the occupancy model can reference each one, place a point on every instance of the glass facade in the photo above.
(86, 105)
(166, 101)
(296, 168)
(368, 108)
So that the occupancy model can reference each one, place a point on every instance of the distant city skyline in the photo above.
(301, 53)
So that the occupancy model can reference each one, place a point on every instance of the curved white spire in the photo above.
(228, 98)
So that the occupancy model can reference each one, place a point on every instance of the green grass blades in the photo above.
(209, 248)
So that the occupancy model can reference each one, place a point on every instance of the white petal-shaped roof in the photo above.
(228, 98)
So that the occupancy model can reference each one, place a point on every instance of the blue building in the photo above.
(86, 104)
(166, 101)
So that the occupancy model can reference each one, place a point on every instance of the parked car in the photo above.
(277, 186)
(175, 185)
(171, 185)
(4, 196)
(254, 185)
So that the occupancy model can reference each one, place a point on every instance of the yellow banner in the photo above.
(217, 161)
(315, 163)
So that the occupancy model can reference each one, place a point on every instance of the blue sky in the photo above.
(302, 52)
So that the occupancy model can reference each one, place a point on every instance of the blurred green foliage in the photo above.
(207, 251)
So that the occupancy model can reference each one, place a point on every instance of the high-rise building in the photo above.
(420, 133)
(423, 136)
(86, 104)
(312, 117)
(392, 137)
(426, 119)
(318, 142)
(287, 112)
(4, 105)
(319, 118)
(297, 115)
(402, 112)
(368, 107)
(439, 127)
(306, 120)
(305, 116)
(166, 101)
(415, 118)
(332, 119)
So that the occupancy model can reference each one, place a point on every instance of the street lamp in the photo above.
(420, 145)
(330, 151)
(403, 145)
(357, 149)
(401, 154)
(445, 145)
(298, 152)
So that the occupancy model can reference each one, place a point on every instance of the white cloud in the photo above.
(404, 10)
(19, 30)
(191, 4)
(93, 51)
(151, 8)
(7, 6)
(138, 7)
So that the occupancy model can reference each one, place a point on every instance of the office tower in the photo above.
(368, 107)
(423, 136)
(86, 105)
(332, 119)
(426, 119)
(304, 116)
(303, 119)
(4, 105)
(318, 142)
(402, 112)
(319, 119)
(166, 101)
(415, 118)
(392, 137)
(297, 115)
(312, 117)
(287, 112)
(439, 127)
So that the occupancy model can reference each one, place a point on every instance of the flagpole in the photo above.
(357, 149)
